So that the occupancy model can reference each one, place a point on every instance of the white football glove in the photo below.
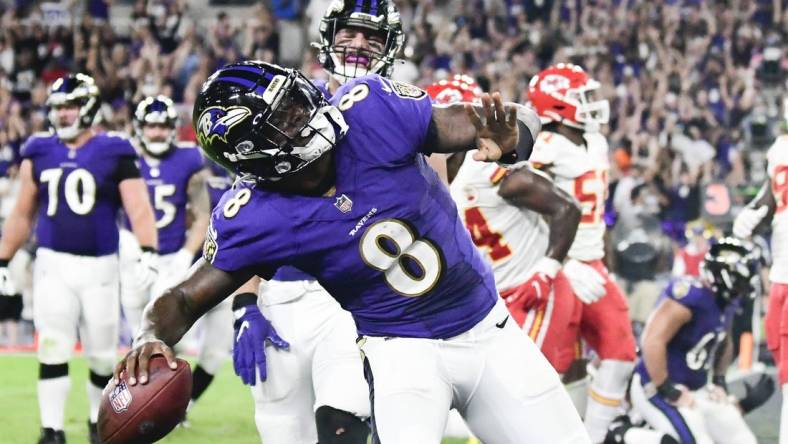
(181, 262)
(7, 287)
(747, 220)
(587, 284)
(146, 270)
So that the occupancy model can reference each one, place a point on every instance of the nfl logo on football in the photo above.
(343, 204)
(120, 398)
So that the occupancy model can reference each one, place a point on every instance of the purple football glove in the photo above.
(252, 330)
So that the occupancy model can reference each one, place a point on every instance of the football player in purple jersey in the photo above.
(73, 182)
(679, 383)
(326, 398)
(175, 174)
(340, 189)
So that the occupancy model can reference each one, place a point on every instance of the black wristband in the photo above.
(669, 391)
(4, 262)
(244, 299)
(719, 380)
(508, 158)
(147, 249)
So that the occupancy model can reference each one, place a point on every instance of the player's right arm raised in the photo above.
(169, 317)
(460, 127)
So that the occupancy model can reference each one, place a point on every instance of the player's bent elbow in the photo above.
(570, 211)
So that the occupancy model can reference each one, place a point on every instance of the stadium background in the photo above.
(694, 87)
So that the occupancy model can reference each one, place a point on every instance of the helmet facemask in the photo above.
(731, 267)
(79, 90)
(346, 62)
(297, 128)
(590, 113)
(156, 110)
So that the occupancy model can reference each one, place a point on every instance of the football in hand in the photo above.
(145, 413)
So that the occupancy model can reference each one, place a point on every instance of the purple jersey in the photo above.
(691, 351)
(78, 196)
(291, 274)
(389, 245)
(168, 185)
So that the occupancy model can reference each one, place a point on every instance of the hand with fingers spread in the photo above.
(136, 361)
(252, 333)
(498, 134)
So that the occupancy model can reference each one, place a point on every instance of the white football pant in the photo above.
(321, 368)
(707, 421)
(493, 374)
(76, 294)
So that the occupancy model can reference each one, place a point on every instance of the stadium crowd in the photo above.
(693, 85)
(694, 90)
(679, 75)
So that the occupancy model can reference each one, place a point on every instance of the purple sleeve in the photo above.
(30, 148)
(121, 145)
(393, 116)
(196, 162)
(250, 235)
(686, 292)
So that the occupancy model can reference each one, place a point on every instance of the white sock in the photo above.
(52, 394)
(605, 396)
(784, 417)
(639, 435)
(94, 400)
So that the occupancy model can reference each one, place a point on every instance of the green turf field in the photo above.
(223, 415)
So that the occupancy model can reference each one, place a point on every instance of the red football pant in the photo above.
(555, 326)
(605, 324)
(777, 328)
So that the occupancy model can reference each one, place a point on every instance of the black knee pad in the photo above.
(200, 381)
(52, 371)
(99, 381)
(667, 439)
(339, 427)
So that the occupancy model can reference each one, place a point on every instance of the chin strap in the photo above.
(336, 118)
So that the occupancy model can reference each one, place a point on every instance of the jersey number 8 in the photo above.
(355, 95)
(233, 206)
(411, 266)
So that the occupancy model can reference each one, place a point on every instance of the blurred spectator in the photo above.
(694, 87)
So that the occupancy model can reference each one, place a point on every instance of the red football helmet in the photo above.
(459, 88)
(563, 93)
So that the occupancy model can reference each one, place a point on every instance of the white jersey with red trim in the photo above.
(777, 159)
(580, 170)
(512, 239)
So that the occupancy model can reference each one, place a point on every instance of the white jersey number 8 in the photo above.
(80, 179)
(411, 266)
